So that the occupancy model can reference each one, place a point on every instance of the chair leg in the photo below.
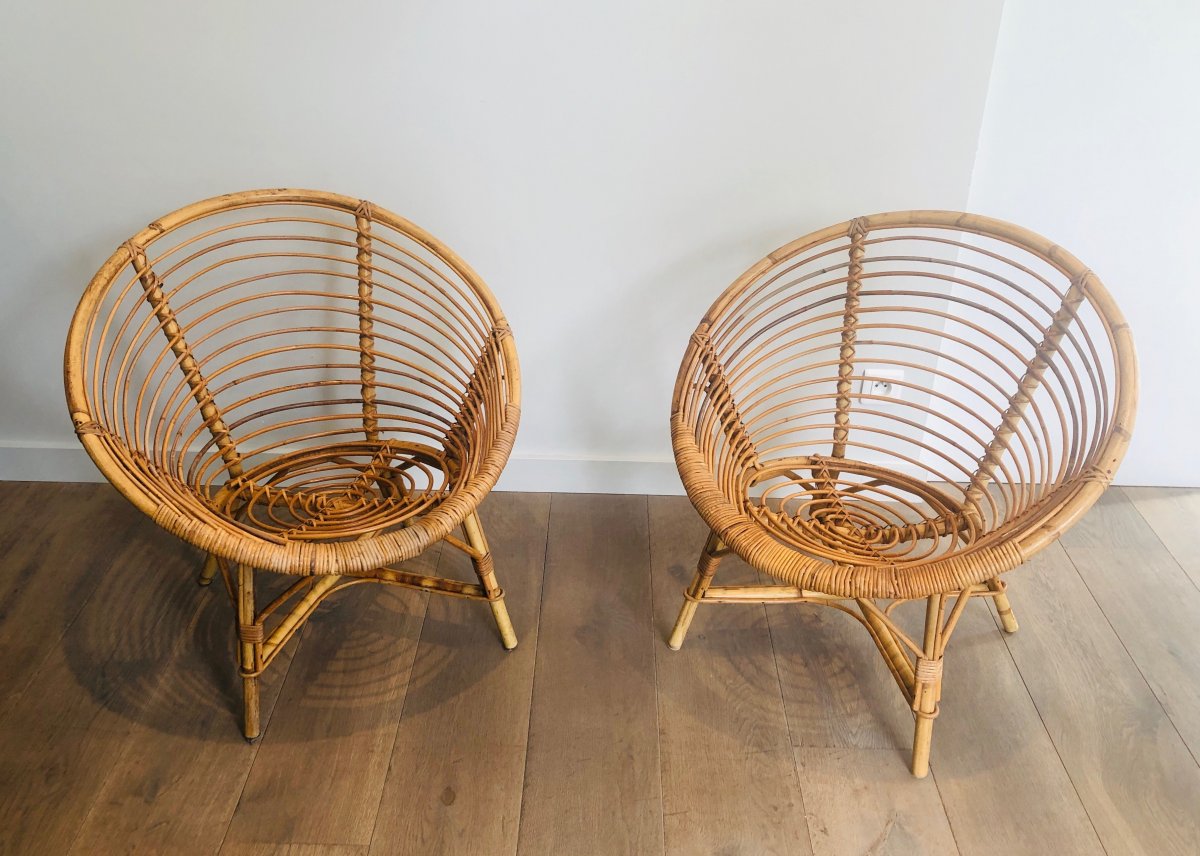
(1003, 608)
(927, 686)
(250, 645)
(705, 570)
(208, 571)
(923, 738)
(485, 569)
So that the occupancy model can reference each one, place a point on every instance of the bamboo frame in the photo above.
(1018, 401)
(303, 383)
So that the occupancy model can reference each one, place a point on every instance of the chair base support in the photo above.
(208, 571)
(287, 614)
(916, 666)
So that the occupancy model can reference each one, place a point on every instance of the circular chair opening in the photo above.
(289, 367)
(924, 396)
(838, 509)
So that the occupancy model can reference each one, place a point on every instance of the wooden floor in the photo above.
(397, 724)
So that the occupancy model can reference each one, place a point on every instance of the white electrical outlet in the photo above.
(881, 383)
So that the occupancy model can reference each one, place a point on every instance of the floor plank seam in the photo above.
(533, 679)
(129, 739)
(1179, 562)
(787, 721)
(256, 747)
(37, 670)
(1049, 736)
(655, 642)
(400, 719)
(1132, 659)
(945, 811)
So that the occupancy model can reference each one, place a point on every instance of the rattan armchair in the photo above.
(900, 407)
(300, 383)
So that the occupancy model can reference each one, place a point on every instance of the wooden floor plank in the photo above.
(1003, 785)
(459, 760)
(119, 728)
(861, 801)
(852, 733)
(26, 508)
(319, 774)
(1140, 785)
(728, 773)
(839, 693)
(57, 543)
(592, 774)
(1174, 515)
(60, 738)
(175, 787)
(1152, 604)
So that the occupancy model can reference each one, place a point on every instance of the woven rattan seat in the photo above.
(816, 516)
(1017, 385)
(298, 382)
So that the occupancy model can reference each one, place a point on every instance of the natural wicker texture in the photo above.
(1017, 388)
(1017, 402)
(299, 382)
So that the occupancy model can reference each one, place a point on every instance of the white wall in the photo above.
(607, 166)
(1092, 137)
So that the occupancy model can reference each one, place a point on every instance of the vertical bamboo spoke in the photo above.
(366, 313)
(841, 431)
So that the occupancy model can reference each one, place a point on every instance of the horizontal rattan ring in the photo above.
(1020, 413)
(294, 380)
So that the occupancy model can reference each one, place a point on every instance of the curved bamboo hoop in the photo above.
(1018, 402)
(294, 381)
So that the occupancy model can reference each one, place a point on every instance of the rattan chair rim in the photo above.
(975, 564)
(191, 520)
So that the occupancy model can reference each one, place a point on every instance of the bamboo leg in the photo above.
(208, 571)
(1003, 608)
(485, 569)
(705, 570)
(250, 638)
(897, 660)
(927, 688)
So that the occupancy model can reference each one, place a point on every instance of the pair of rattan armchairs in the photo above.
(900, 407)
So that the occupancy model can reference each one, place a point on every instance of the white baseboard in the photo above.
(534, 473)
(560, 474)
(56, 461)
(25, 461)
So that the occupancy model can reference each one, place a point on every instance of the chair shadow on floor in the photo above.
(155, 648)
(741, 658)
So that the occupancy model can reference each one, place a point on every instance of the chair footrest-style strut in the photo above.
(916, 666)
(259, 646)
(783, 593)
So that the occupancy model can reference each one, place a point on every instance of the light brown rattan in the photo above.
(1016, 404)
(299, 382)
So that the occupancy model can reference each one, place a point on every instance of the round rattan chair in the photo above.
(900, 407)
(303, 383)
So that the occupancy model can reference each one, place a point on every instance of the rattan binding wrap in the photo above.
(294, 380)
(1017, 403)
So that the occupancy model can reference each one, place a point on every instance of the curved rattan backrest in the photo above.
(1016, 379)
(282, 375)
